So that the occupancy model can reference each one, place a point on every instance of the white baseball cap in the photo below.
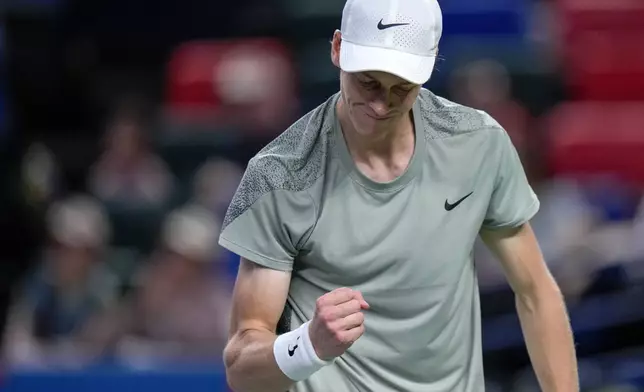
(394, 36)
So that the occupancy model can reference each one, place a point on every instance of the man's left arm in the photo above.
(540, 306)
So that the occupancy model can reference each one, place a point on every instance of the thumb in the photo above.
(359, 297)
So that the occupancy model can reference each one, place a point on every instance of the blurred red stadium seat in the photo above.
(592, 14)
(589, 138)
(603, 51)
(606, 65)
(247, 83)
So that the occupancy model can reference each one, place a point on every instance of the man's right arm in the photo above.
(266, 224)
(258, 302)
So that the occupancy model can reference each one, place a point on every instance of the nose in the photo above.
(380, 105)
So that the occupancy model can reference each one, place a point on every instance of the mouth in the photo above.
(380, 118)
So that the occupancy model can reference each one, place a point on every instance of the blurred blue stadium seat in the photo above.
(494, 17)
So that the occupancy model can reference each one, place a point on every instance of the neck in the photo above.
(390, 144)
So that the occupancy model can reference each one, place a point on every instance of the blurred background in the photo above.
(125, 127)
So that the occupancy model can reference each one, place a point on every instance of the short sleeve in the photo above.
(269, 217)
(513, 201)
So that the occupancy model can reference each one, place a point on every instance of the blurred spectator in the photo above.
(615, 241)
(546, 29)
(129, 172)
(564, 225)
(486, 85)
(71, 285)
(247, 85)
(180, 308)
(215, 183)
(41, 177)
(256, 83)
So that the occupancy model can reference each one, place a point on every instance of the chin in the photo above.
(368, 125)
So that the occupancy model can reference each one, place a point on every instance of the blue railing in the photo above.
(117, 379)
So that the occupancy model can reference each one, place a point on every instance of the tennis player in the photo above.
(356, 226)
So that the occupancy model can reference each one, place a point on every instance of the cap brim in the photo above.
(411, 67)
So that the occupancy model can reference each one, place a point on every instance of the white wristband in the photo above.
(295, 355)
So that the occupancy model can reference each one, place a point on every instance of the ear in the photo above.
(335, 48)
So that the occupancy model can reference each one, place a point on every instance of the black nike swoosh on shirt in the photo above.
(382, 26)
(450, 206)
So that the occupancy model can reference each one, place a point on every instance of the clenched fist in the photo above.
(338, 322)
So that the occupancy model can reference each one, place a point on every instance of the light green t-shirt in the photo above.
(303, 206)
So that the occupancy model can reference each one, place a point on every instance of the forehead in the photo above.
(385, 78)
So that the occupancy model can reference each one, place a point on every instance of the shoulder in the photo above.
(443, 118)
(296, 157)
(292, 162)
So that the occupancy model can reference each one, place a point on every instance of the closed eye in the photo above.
(402, 91)
(370, 85)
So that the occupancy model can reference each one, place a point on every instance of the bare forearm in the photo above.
(251, 365)
(549, 340)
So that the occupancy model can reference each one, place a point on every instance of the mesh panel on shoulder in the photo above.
(443, 118)
(293, 161)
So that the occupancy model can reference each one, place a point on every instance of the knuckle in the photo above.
(346, 291)
(320, 302)
(326, 315)
(360, 318)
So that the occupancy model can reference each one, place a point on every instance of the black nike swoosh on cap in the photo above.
(450, 206)
(382, 26)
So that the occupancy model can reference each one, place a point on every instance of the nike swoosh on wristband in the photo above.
(291, 351)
